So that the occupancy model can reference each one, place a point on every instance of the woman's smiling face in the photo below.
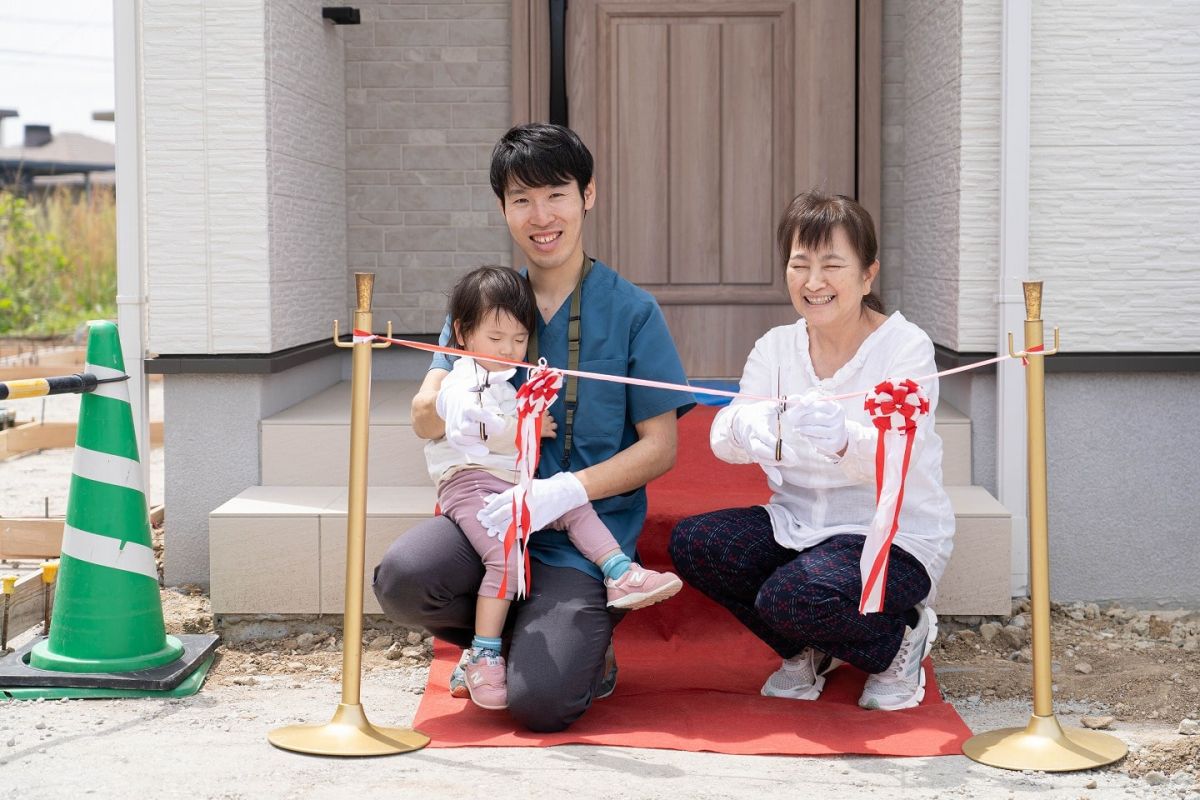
(827, 283)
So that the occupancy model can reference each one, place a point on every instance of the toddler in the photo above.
(492, 311)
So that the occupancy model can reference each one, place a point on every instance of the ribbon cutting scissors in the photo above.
(782, 407)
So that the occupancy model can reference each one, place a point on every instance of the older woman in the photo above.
(789, 570)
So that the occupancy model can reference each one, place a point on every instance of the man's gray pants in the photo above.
(556, 637)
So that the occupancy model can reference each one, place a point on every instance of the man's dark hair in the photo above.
(491, 289)
(540, 154)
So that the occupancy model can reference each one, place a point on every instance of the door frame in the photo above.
(530, 84)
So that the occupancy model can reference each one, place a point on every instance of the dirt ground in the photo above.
(1115, 666)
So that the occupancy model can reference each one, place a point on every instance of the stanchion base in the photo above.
(349, 733)
(1044, 745)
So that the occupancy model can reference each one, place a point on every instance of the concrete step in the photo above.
(954, 427)
(309, 443)
(977, 580)
(281, 549)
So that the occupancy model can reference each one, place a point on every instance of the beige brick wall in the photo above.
(427, 95)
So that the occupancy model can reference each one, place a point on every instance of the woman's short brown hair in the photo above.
(811, 219)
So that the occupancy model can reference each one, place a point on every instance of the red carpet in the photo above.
(690, 674)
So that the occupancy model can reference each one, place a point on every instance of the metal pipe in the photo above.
(1039, 539)
(360, 410)
(79, 383)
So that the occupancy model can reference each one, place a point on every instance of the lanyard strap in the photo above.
(571, 396)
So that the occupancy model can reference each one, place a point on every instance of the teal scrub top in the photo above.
(622, 332)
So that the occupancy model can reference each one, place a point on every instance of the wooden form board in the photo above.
(26, 604)
(23, 537)
(46, 364)
(49, 435)
(30, 538)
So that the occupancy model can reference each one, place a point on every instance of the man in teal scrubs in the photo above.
(620, 438)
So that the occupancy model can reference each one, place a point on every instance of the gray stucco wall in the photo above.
(1122, 483)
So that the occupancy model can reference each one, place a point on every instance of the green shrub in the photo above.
(58, 264)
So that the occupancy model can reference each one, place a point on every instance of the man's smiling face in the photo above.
(546, 222)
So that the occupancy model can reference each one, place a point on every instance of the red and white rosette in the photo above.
(895, 409)
(533, 398)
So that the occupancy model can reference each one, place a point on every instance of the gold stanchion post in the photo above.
(350, 733)
(1043, 744)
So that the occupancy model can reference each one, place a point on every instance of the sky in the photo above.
(56, 66)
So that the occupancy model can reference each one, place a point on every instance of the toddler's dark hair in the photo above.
(488, 290)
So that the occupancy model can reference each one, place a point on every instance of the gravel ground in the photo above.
(1139, 669)
(213, 745)
(273, 672)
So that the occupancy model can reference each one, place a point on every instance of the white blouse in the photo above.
(820, 497)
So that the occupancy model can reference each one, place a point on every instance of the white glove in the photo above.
(755, 428)
(821, 422)
(466, 419)
(548, 499)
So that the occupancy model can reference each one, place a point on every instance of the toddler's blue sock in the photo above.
(481, 643)
(615, 566)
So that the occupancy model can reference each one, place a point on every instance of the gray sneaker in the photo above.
(609, 684)
(458, 678)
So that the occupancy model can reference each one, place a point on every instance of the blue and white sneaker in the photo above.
(458, 677)
(902, 684)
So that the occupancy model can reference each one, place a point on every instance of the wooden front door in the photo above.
(705, 117)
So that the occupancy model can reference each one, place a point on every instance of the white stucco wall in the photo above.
(1115, 172)
(979, 176)
(932, 90)
(244, 174)
(306, 172)
(427, 97)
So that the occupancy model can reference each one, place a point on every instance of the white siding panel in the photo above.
(1115, 163)
(174, 114)
(234, 40)
(178, 318)
(241, 314)
(237, 238)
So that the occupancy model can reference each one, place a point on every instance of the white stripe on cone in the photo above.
(107, 468)
(116, 391)
(105, 551)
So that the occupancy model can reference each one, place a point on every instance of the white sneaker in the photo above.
(902, 684)
(801, 677)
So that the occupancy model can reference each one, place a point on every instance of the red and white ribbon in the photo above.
(895, 409)
(533, 398)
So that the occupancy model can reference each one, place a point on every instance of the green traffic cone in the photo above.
(107, 613)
